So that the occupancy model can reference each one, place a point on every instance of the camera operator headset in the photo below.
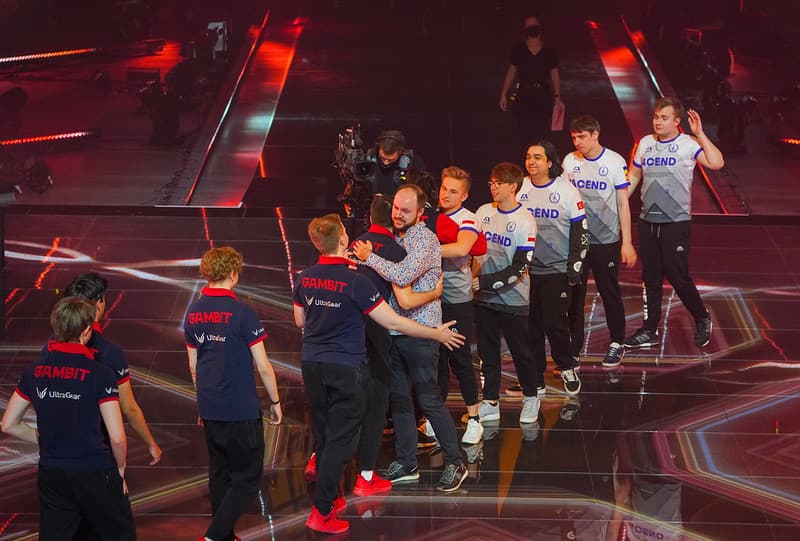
(392, 160)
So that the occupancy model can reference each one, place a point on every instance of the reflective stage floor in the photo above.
(705, 443)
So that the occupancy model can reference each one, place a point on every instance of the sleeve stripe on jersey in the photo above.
(126, 379)
(696, 154)
(257, 340)
(577, 218)
(637, 165)
(374, 306)
(469, 229)
(298, 304)
(468, 221)
(108, 399)
(188, 345)
(620, 186)
(524, 248)
(22, 395)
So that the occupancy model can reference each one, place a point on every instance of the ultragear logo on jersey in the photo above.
(46, 393)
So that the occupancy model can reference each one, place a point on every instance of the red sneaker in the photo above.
(326, 523)
(339, 504)
(378, 485)
(311, 468)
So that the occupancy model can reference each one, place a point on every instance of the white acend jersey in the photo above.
(667, 173)
(457, 286)
(554, 206)
(598, 180)
(506, 233)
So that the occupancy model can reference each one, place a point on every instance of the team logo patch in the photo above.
(673, 147)
(576, 169)
(580, 205)
(487, 220)
(375, 297)
(603, 171)
(511, 226)
(555, 197)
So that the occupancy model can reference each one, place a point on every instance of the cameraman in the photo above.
(392, 161)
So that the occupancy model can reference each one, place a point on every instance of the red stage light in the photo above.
(789, 141)
(43, 56)
(42, 138)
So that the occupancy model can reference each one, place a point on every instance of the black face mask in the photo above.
(534, 31)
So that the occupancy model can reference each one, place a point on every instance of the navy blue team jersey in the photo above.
(66, 387)
(110, 354)
(223, 329)
(384, 245)
(335, 298)
(106, 352)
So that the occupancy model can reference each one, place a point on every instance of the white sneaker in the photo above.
(530, 410)
(488, 412)
(473, 433)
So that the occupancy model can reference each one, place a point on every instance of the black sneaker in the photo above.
(398, 474)
(702, 334)
(614, 356)
(643, 338)
(426, 437)
(452, 477)
(572, 383)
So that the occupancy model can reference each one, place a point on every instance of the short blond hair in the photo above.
(70, 317)
(457, 173)
(218, 263)
(324, 233)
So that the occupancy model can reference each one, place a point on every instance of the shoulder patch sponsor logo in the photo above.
(122, 372)
(486, 220)
(611, 265)
(563, 294)
(576, 169)
(200, 339)
(511, 227)
(580, 205)
(110, 390)
(41, 393)
(309, 300)
(680, 249)
(555, 197)
(258, 331)
(673, 147)
(375, 297)
(603, 171)
(523, 197)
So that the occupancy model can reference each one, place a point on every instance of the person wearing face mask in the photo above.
(534, 66)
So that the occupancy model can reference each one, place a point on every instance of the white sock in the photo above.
(367, 475)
